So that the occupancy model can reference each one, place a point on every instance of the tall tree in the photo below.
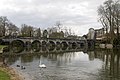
(38, 32)
(117, 16)
(58, 24)
(12, 29)
(27, 31)
(109, 16)
(45, 33)
(3, 24)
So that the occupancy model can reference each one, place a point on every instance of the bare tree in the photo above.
(12, 29)
(7, 28)
(109, 16)
(117, 16)
(27, 31)
(3, 24)
(58, 24)
(38, 32)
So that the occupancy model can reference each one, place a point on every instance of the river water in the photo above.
(78, 65)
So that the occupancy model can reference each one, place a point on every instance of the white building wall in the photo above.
(91, 33)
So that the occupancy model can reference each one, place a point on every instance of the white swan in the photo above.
(42, 65)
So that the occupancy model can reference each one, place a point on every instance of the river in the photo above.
(78, 65)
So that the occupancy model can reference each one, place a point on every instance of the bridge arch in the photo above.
(44, 43)
(51, 45)
(74, 45)
(36, 44)
(17, 46)
(82, 45)
(64, 45)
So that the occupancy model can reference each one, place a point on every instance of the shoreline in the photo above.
(13, 73)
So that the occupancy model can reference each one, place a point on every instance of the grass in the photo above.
(4, 76)
(8, 73)
(2, 46)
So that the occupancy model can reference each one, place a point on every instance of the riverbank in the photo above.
(1, 48)
(4, 75)
(104, 46)
(11, 73)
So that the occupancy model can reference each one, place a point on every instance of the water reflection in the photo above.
(111, 66)
(71, 65)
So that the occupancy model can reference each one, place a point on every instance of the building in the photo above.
(99, 32)
(91, 34)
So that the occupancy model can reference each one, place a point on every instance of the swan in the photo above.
(42, 65)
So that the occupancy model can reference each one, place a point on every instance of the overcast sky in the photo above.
(79, 15)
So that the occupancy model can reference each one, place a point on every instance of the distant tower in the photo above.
(91, 34)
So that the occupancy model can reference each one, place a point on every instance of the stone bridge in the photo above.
(51, 42)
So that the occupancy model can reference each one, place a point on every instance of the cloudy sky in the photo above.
(79, 15)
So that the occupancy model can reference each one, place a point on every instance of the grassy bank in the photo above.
(2, 46)
(4, 75)
(8, 73)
